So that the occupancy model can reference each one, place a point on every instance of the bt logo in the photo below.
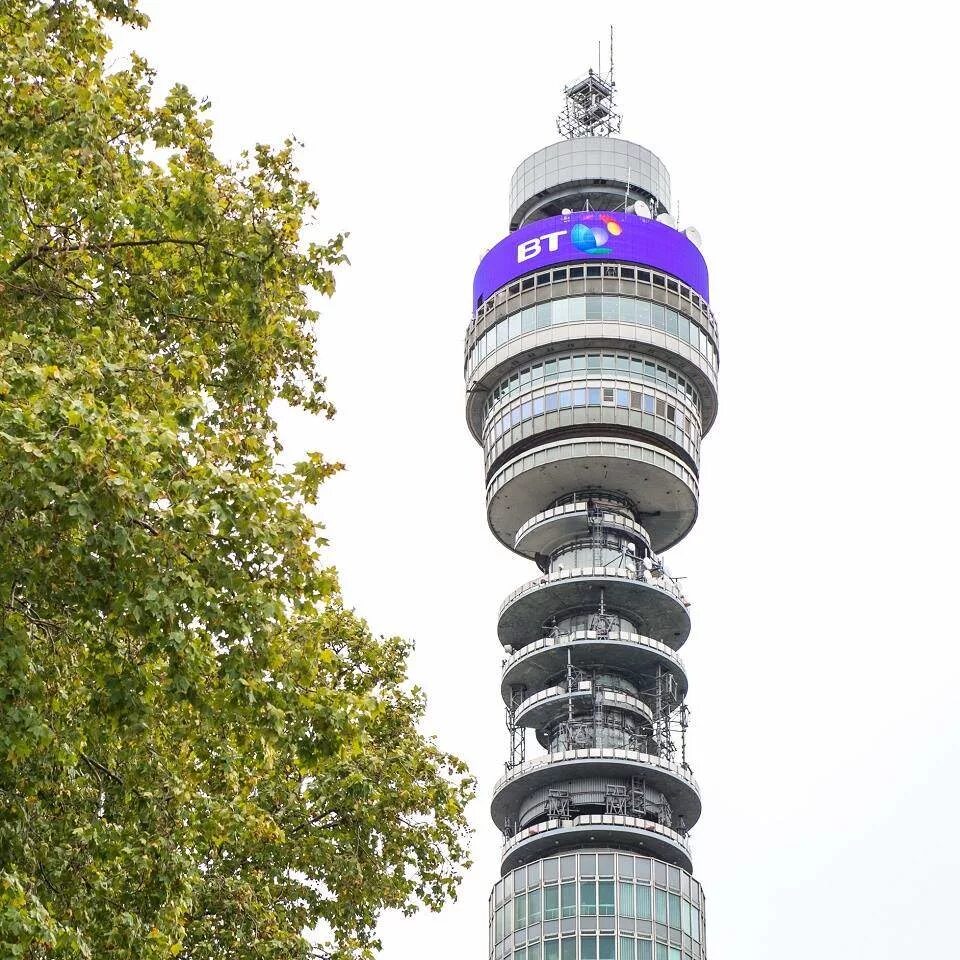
(585, 238)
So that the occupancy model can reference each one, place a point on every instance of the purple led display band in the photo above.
(583, 237)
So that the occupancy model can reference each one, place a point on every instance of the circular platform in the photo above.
(671, 780)
(658, 482)
(658, 611)
(535, 664)
(552, 528)
(644, 836)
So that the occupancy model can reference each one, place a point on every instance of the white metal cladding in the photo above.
(588, 159)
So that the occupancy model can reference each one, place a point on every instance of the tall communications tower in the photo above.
(591, 370)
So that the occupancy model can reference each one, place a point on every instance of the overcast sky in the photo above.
(814, 147)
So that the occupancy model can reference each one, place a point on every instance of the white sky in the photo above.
(814, 146)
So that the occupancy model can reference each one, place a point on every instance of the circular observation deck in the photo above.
(670, 780)
(534, 665)
(549, 705)
(659, 609)
(558, 525)
(659, 482)
(589, 830)
(598, 170)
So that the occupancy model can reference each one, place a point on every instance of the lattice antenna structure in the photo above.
(589, 109)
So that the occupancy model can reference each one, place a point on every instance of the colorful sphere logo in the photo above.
(592, 239)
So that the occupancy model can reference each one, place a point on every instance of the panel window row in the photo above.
(630, 275)
(596, 898)
(595, 395)
(623, 366)
(603, 947)
(608, 307)
(624, 866)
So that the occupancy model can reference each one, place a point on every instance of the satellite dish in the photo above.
(566, 211)
(667, 220)
(693, 235)
(641, 209)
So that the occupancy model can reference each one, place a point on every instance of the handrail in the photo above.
(609, 517)
(595, 819)
(580, 636)
(548, 579)
(585, 687)
(596, 753)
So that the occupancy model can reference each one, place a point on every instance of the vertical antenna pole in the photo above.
(611, 54)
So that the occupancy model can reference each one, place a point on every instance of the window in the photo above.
(627, 908)
(607, 907)
(628, 948)
(551, 901)
(608, 394)
(568, 948)
(533, 906)
(533, 951)
(588, 947)
(519, 911)
(608, 948)
(643, 902)
(588, 898)
(568, 899)
(675, 911)
(588, 864)
(520, 953)
(644, 950)
(551, 950)
(661, 904)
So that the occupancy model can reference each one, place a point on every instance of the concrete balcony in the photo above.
(550, 704)
(534, 665)
(644, 836)
(659, 482)
(655, 604)
(673, 781)
(552, 528)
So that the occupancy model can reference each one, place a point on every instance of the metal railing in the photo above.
(549, 642)
(595, 820)
(662, 583)
(680, 771)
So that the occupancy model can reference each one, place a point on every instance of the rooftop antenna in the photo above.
(589, 109)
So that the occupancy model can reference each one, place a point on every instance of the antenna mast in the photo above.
(589, 109)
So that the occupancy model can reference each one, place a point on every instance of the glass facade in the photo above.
(597, 905)
(609, 307)
(593, 400)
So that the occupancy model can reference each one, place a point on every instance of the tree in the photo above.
(203, 753)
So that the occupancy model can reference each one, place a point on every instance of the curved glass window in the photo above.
(609, 307)
(634, 367)
(592, 916)
(650, 409)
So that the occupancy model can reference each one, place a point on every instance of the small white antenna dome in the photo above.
(566, 211)
(693, 235)
(667, 220)
(642, 209)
